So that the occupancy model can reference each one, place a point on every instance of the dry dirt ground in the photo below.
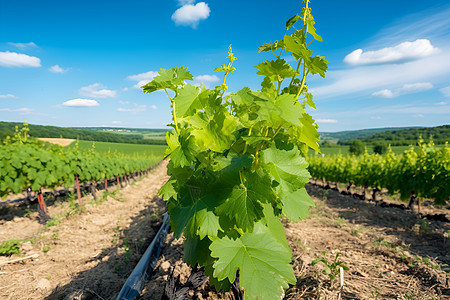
(62, 142)
(390, 253)
(87, 253)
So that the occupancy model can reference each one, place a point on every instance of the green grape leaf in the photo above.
(309, 100)
(289, 110)
(195, 216)
(187, 101)
(309, 134)
(196, 251)
(168, 79)
(276, 70)
(318, 65)
(296, 204)
(243, 201)
(242, 97)
(231, 163)
(311, 29)
(271, 46)
(272, 224)
(168, 191)
(268, 87)
(217, 133)
(287, 167)
(181, 148)
(252, 140)
(283, 109)
(292, 21)
(256, 255)
(299, 50)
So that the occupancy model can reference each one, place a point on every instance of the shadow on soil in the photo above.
(424, 238)
(113, 265)
(21, 207)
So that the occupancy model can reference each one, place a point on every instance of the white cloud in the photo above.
(345, 82)
(7, 96)
(58, 69)
(415, 87)
(153, 107)
(13, 59)
(142, 78)
(207, 78)
(408, 88)
(441, 103)
(432, 23)
(136, 109)
(418, 116)
(116, 122)
(405, 51)
(184, 2)
(190, 15)
(97, 90)
(375, 118)
(326, 121)
(23, 45)
(384, 94)
(23, 110)
(124, 102)
(81, 103)
(445, 91)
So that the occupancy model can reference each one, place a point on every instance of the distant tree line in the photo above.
(8, 128)
(405, 137)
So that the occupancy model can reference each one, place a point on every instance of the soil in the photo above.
(58, 141)
(87, 253)
(390, 253)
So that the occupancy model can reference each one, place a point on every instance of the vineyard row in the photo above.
(34, 166)
(424, 173)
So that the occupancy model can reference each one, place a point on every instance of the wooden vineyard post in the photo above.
(106, 184)
(118, 182)
(77, 182)
(93, 189)
(42, 204)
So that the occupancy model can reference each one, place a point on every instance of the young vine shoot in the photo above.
(237, 163)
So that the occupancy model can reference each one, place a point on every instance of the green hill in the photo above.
(8, 129)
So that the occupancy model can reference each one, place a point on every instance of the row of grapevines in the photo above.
(424, 172)
(237, 163)
(29, 163)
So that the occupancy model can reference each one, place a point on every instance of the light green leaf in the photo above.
(318, 65)
(296, 204)
(276, 70)
(181, 149)
(243, 201)
(309, 134)
(310, 27)
(258, 257)
(292, 21)
(187, 102)
(287, 167)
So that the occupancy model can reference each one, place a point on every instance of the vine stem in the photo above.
(174, 112)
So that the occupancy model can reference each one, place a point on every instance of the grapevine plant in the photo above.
(237, 164)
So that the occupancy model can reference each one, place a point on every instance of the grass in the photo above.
(343, 149)
(10, 247)
(128, 149)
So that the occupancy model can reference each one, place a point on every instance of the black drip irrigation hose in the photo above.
(143, 270)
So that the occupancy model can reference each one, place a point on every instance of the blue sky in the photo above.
(78, 63)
